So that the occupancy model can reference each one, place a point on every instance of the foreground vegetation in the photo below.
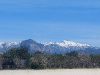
(16, 58)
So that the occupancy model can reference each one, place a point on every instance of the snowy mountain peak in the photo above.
(47, 43)
(8, 44)
(65, 40)
(66, 43)
(1, 44)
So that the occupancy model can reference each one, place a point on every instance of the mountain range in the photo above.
(51, 47)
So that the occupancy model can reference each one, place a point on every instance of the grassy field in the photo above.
(52, 72)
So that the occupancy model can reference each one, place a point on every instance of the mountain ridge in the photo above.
(66, 43)
(50, 47)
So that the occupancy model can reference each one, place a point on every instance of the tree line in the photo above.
(21, 58)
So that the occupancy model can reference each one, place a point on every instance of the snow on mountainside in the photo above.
(1, 44)
(66, 46)
(9, 44)
(67, 43)
(58, 47)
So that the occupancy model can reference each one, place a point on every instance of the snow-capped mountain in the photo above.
(51, 47)
(66, 46)
(10, 44)
(67, 43)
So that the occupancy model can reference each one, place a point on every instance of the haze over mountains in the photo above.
(51, 47)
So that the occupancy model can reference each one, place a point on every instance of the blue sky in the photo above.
(50, 20)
